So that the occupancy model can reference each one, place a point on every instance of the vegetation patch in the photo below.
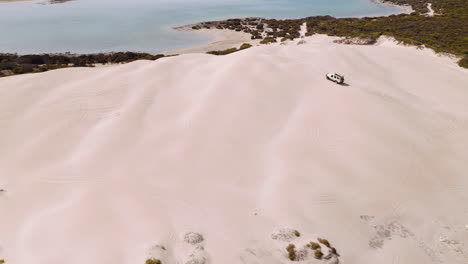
(318, 254)
(19, 64)
(229, 51)
(334, 251)
(153, 261)
(296, 233)
(446, 32)
(245, 46)
(268, 40)
(324, 242)
(314, 245)
(291, 249)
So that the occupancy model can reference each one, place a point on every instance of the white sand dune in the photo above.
(106, 165)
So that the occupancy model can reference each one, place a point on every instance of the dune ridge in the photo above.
(109, 165)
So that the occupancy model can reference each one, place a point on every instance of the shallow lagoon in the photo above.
(86, 26)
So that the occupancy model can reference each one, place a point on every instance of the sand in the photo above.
(430, 11)
(115, 165)
(222, 39)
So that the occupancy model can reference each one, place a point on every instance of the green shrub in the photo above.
(223, 52)
(296, 233)
(153, 261)
(268, 40)
(463, 62)
(2, 261)
(324, 241)
(333, 251)
(291, 251)
(314, 245)
(318, 254)
(245, 46)
(288, 37)
(17, 70)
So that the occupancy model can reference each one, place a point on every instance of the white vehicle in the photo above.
(335, 77)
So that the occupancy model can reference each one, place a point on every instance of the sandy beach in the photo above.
(222, 39)
(119, 164)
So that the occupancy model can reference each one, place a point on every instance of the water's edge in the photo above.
(183, 40)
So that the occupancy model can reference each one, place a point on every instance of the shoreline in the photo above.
(228, 35)
(406, 9)
(222, 38)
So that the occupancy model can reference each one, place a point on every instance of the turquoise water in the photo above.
(86, 26)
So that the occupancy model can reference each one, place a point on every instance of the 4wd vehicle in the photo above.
(335, 77)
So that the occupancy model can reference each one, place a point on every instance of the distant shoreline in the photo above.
(417, 29)
(219, 39)
(407, 9)
(39, 1)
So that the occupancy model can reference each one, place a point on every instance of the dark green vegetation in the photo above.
(314, 245)
(291, 249)
(324, 241)
(153, 261)
(17, 64)
(318, 253)
(229, 51)
(59, 1)
(445, 32)
(297, 233)
(334, 251)
(268, 40)
(2, 261)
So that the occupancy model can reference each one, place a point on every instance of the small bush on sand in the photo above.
(463, 62)
(318, 254)
(324, 241)
(245, 46)
(153, 261)
(291, 251)
(333, 251)
(2, 261)
(222, 52)
(314, 245)
(268, 40)
(296, 233)
(17, 70)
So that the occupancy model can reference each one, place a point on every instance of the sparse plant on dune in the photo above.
(318, 254)
(223, 52)
(245, 46)
(229, 51)
(153, 261)
(324, 241)
(296, 233)
(291, 251)
(333, 251)
(314, 245)
(268, 40)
